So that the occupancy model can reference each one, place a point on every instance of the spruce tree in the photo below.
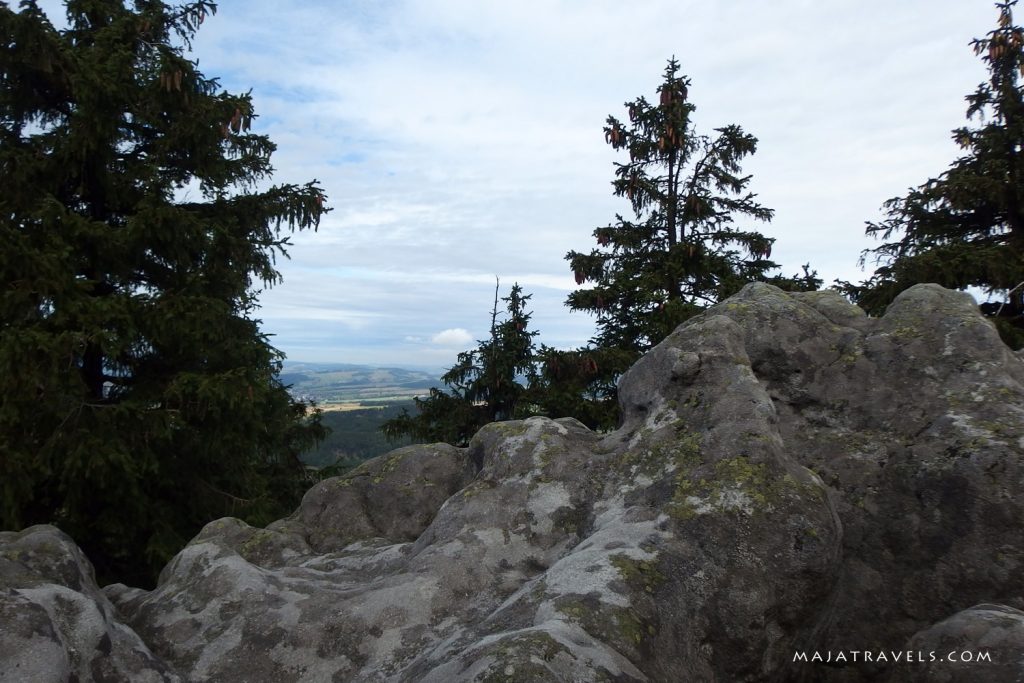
(140, 398)
(580, 383)
(965, 228)
(683, 249)
(486, 384)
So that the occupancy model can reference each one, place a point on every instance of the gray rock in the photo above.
(395, 497)
(791, 476)
(983, 643)
(55, 624)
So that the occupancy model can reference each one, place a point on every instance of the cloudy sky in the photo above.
(459, 140)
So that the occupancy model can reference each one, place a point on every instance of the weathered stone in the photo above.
(791, 476)
(395, 497)
(983, 643)
(55, 624)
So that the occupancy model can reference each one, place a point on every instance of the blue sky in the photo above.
(461, 140)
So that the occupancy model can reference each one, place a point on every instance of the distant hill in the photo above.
(345, 383)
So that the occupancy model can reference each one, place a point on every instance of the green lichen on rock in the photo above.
(694, 399)
(546, 454)
(739, 307)
(737, 485)
(751, 478)
(620, 626)
(638, 574)
(848, 353)
(576, 610)
(681, 453)
(253, 544)
(478, 487)
(631, 627)
(537, 643)
(523, 657)
(509, 429)
(391, 463)
(1000, 428)
(550, 449)
(906, 332)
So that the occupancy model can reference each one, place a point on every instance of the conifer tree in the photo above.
(580, 383)
(140, 399)
(486, 384)
(684, 247)
(965, 228)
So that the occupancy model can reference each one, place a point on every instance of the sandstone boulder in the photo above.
(56, 624)
(790, 477)
(987, 639)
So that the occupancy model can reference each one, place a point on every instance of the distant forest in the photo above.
(355, 436)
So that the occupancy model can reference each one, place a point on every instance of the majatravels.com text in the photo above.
(891, 657)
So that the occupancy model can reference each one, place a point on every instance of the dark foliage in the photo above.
(580, 383)
(140, 398)
(486, 384)
(682, 251)
(965, 228)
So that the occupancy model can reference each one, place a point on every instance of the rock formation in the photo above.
(796, 489)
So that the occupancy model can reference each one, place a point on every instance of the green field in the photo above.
(330, 383)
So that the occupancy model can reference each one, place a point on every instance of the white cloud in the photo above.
(460, 140)
(456, 338)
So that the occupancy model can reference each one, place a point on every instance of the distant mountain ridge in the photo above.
(347, 382)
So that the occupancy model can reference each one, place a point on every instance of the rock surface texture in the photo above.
(791, 479)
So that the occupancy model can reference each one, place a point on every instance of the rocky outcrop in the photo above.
(56, 625)
(986, 640)
(791, 479)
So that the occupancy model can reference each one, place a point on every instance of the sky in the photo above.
(462, 140)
